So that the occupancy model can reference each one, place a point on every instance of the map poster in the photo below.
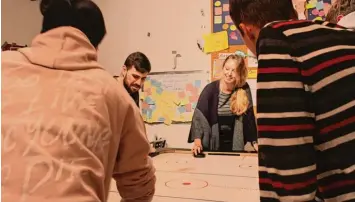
(318, 9)
(171, 97)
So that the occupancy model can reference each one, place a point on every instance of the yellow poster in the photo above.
(215, 42)
(252, 72)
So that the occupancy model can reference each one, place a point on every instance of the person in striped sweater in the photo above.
(305, 102)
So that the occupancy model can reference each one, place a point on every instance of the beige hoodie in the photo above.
(68, 126)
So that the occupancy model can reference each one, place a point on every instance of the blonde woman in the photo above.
(224, 118)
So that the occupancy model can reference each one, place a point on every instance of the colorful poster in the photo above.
(317, 9)
(221, 21)
(171, 97)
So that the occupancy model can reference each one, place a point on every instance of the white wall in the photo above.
(174, 25)
(20, 21)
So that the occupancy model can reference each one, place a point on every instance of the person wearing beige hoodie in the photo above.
(67, 126)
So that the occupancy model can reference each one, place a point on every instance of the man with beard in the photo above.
(134, 72)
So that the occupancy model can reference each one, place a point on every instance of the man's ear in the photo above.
(339, 17)
(248, 31)
(124, 71)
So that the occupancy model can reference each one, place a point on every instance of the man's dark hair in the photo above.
(260, 12)
(84, 15)
(139, 61)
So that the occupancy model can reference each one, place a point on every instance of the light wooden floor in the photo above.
(183, 178)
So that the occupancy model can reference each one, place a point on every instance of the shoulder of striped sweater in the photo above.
(286, 23)
(284, 26)
(331, 25)
(271, 24)
(276, 30)
(293, 28)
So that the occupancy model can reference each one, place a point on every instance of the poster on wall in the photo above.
(221, 21)
(171, 97)
(215, 42)
(318, 9)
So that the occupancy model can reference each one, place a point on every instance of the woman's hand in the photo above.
(197, 148)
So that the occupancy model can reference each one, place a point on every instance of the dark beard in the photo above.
(126, 86)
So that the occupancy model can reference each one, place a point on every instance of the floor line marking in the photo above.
(163, 171)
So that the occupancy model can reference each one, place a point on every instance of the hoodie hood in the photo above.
(348, 21)
(64, 48)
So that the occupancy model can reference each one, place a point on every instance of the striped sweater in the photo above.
(306, 112)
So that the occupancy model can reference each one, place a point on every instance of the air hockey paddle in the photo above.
(200, 155)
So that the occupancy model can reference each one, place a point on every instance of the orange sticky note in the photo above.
(193, 98)
(189, 87)
(218, 11)
(188, 108)
(225, 7)
(181, 94)
(228, 19)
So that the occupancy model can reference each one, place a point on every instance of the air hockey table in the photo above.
(219, 177)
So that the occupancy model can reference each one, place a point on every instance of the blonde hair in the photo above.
(239, 101)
